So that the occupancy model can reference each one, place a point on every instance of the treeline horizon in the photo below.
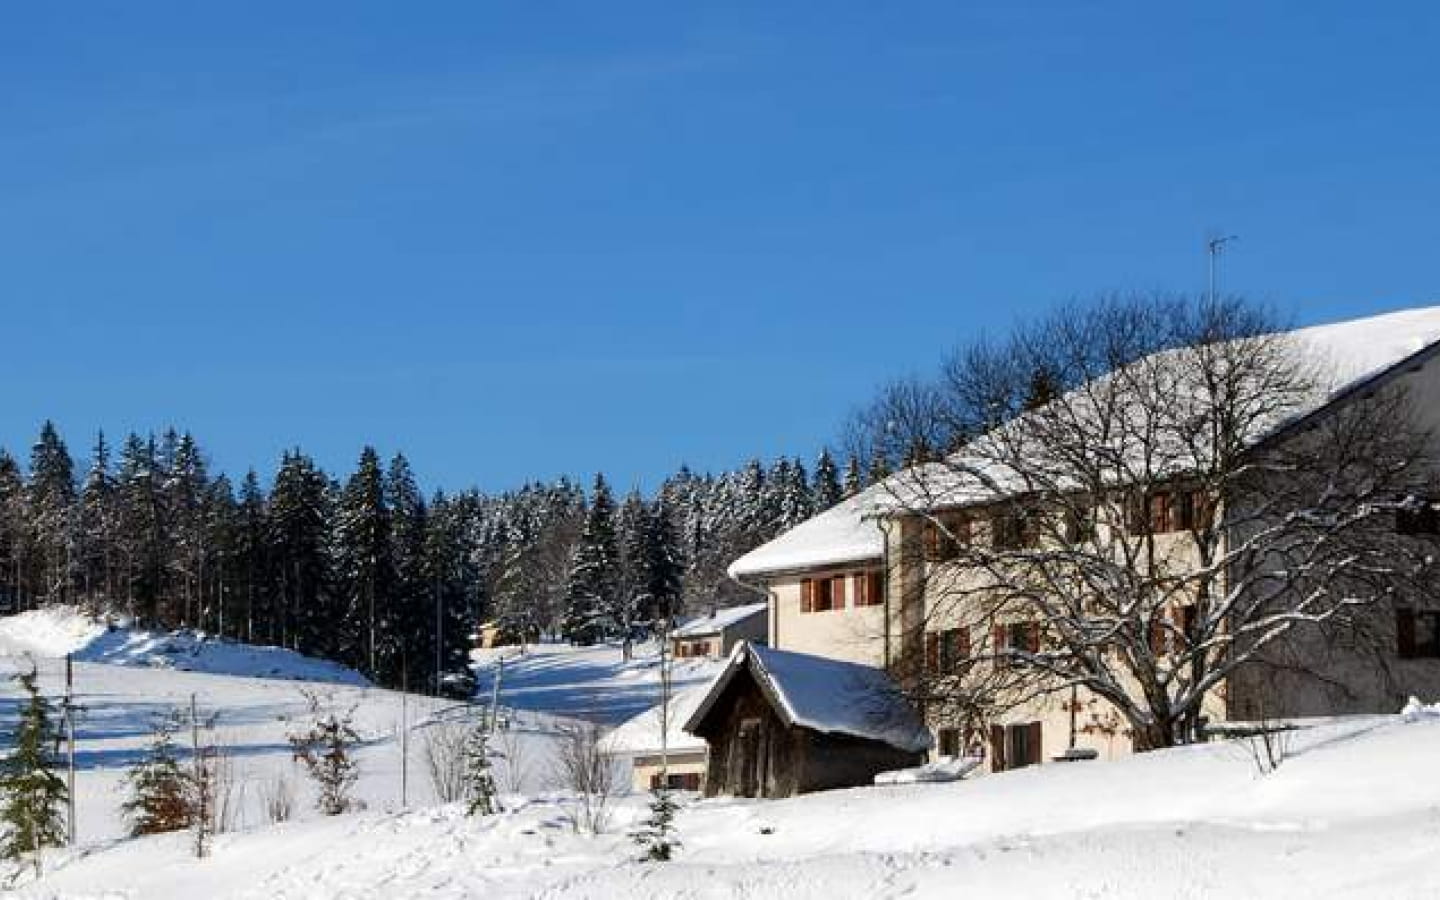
(369, 570)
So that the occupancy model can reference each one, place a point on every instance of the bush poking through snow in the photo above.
(443, 748)
(325, 749)
(656, 835)
(583, 768)
(517, 764)
(35, 796)
(277, 798)
(1270, 745)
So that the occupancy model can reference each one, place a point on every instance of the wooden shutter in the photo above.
(807, 595)
(962, 642)
(1033, 744)
(1405, 632)
(932, 652)
(1157, 635)
(876, 587)
(998, 636)
(837, 592)
(1032, 637)
(997, 748)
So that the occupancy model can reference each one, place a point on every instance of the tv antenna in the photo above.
(1214, 246)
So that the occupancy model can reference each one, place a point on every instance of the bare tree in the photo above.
(1141, 508)
(512, 750)
(443, 747)
(581, 767)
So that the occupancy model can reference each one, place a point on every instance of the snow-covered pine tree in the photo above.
(141, 528)
(633, 607)
(183, 495)
(52, 497)
(159, 789)
(33, 809)
(364, 569)
(853, 482)
(593, 583)
(13, 531)
(250, 585)
(326, 750)
(408, 624)
(790, 487)
(656, 834)
(95, 528)
(663, 568)
(299, 520)
(481, 796)
(450, 585)
(826, 490)
(218, 606)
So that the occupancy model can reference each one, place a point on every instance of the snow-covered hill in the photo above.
(125, 679)
(1353, 811)
(56, 631)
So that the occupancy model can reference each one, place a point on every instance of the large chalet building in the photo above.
(861, 583)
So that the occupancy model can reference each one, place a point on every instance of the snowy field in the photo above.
(125, 679)
(1354, 811)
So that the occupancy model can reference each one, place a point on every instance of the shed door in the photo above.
(748, 745)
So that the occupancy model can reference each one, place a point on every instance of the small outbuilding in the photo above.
(780, 723)
(715, 635)
(677, 762)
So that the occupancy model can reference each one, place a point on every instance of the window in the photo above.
(1417, 518)
(946, 651)
(1079, 525)
(1418, 633)
(944, 536)
(1013, 531)
(1015, 746)
(949, 744)
(1017, 637)
(1162, 512)
(822, 594)
(676, 781)
(869, 588)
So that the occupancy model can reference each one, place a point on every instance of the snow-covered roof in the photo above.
(1342, 354)
(719, 620)
(841, 534)
(822, 694)
(642, 733)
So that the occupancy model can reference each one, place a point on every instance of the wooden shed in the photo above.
(780, 723)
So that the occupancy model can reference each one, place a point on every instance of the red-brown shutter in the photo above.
(962, 642)
(999, 645)
(1405, 632)
(1036, 753)
(877, 587)
(997, 748)
(837, 592)
(1032, 637)
(932, 652)
(1157, 636)
(807, 595)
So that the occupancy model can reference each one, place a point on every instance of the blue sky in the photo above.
(517, 240)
